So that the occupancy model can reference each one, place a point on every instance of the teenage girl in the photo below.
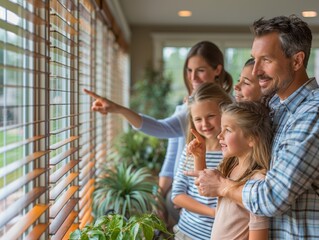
(197, 214)
(247, 88)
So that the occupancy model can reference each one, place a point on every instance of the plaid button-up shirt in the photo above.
(289, 194)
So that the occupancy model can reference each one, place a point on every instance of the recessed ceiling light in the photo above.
(309, 14)
(184, 13)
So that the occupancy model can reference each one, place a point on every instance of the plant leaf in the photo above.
(76, 235)
(148, 232)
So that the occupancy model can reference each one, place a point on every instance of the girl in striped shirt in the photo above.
(197, 214)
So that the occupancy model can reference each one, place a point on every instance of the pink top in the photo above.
(233, 221)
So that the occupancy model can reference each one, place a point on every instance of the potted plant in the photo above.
(141, 150)
(117, 227)
(126, 190)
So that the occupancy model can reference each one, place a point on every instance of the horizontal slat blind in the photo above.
(64, 135)
(116, 62)
(101, 71)
(87, 140)
(26, 221)
(23, 129)
(51, 143)
(121, 66)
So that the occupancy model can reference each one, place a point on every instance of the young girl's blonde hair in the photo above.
(206, 91)
(253, 119)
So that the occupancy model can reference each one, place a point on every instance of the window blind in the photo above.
(50, 140)
(64, 118)
(87, 139)
(23, 129)
(102, 87)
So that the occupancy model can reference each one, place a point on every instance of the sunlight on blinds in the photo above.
(23, 130)
(50, 140)
(87, 140)
(101, 72)
(64, 124)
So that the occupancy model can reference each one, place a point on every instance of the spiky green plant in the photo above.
(115, 226)
(126, 190)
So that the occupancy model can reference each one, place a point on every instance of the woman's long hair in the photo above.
(214, 57)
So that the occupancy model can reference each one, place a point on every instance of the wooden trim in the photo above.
(112, 24)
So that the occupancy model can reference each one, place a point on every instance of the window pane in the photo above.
(313, 64)
(235, 59)
(174, 58)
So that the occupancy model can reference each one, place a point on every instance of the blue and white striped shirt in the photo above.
(288, 193)
(194, 225)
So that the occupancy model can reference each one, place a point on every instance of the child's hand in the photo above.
(197, 147)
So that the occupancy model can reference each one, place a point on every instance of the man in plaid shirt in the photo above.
(289, 193)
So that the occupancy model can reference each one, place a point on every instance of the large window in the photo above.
(50, 141)
(171, 51)
(313, 64)
(174, 58)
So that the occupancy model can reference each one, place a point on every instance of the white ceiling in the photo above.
(212, 12)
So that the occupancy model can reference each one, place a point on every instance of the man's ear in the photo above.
(298, 60)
